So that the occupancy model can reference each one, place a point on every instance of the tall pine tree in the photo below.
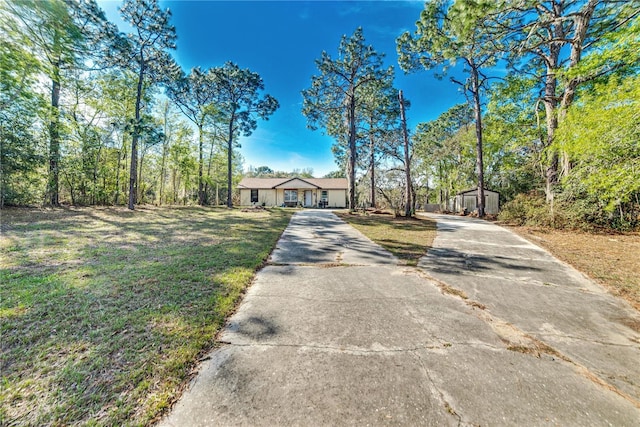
(335, 98)
(240, 103)
(146, 53)
(194, 95)
(448, 32)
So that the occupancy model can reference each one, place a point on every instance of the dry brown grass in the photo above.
(611, 259)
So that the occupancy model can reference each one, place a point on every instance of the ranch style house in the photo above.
(293, 192)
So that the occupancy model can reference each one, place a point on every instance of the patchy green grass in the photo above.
(105, 312)
(409, 239)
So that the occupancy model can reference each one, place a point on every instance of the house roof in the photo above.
(297, 183)
(321, 183)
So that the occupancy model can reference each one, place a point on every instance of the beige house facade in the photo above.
(294, 192)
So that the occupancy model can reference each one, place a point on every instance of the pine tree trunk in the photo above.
(478, 118)
(372, 160)
(140, 188)
(206, 185)
(121, 156)
(53, 195)
(550, 103)
(351, 167)
(229, 160)
(133, 184)
(407, 161)
(200, 166)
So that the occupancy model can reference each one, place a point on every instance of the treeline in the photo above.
(558, 134)
(90, 115)
(267, 172)
(551, 123)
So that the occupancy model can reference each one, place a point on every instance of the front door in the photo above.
(307, 198)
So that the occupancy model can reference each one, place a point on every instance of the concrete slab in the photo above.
(524, 285)
(485, 387)
(352, 308)
(267, 386)
(320, 237)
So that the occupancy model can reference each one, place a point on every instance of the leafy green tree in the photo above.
(448, 32)
(240, 103)
(335, 174)
(194, 95)
(261, 171)
(548, 39)
(63, 34)
(146, 53)
(85, 143)
(335, 98)
(302, 173)
(442, 147)
(514, 137)
(20, 109)
(116, 95)
(169, 122)
(601, 134)
(182, 165)
(616, 52)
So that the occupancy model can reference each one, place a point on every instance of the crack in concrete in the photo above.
(528, 246)
(516, 339)
(343, 300)
(521, 280)
(439, 394)
(442, 345)
(338, 263)
(337, 349)
(588, 340)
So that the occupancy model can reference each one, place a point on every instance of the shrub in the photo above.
(529, 209)
(572, 209)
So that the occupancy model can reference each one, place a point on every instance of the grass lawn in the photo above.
(409, 239)
(611, 259)
(104, 312)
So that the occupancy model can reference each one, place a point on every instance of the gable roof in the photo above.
(320, 183)
(474, 190)
(296, 183)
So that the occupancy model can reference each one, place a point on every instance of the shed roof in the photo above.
(321, 183)
(474, 190)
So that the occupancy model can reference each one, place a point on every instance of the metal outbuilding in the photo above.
(468, 201)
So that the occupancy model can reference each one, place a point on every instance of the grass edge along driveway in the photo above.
(408, 239)
(105, 312)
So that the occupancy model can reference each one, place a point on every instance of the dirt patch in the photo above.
(452, 291)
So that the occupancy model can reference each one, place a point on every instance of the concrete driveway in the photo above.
(544, 298)
(334, 332)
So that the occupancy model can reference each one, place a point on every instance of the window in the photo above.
(324, 196)
(290, 196)
(254, 196)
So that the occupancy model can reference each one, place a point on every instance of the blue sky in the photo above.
(281, 40)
